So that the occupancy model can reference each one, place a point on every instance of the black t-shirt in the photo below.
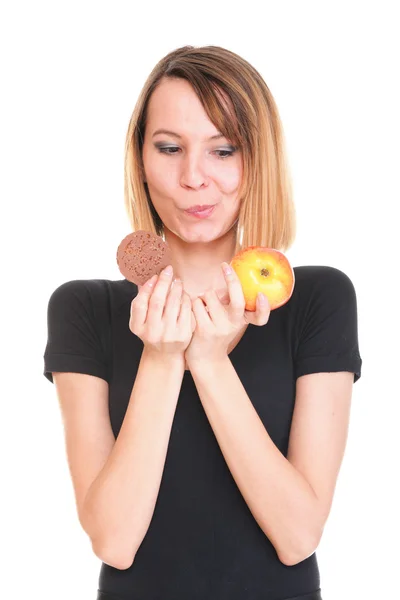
(203, 542)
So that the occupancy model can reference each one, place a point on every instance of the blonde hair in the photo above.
(250, 121)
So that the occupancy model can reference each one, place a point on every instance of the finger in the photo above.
(188, 314)
(185, 312)
(237, 300)
(158, 297)
(215, 309)
(222, 294)
(193, 322)
(140, 304)
(261, 315)
(153, 279)
(173, 305)
(148, 285)
(200, 313)
(263, 309)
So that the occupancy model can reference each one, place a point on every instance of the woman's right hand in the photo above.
(161, 315)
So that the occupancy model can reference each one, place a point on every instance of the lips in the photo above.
(199, 208)
(200, 214)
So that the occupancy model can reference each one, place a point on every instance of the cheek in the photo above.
(229, 175)
(229, 180)
(161, 176)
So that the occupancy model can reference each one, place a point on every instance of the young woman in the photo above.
(204, 441)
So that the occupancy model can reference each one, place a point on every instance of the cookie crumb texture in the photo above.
(141, 255)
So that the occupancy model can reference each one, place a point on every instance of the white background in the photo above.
(70, 75)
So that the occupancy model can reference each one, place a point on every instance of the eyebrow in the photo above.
(173, 134)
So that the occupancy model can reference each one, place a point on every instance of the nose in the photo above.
(193, 173)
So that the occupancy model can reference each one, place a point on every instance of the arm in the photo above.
(280, 496)
(119, 505)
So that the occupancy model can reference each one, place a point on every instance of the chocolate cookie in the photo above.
(141, 255)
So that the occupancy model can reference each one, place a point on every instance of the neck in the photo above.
(198, 264)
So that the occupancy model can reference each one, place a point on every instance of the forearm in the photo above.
(279, 497)
(120, 503)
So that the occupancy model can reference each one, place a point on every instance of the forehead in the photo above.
(175, 105)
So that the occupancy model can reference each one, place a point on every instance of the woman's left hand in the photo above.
(216, 328)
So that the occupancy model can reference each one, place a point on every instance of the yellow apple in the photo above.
(265, 270)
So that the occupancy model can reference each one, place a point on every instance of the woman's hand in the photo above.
(161, 316)
(216, 328)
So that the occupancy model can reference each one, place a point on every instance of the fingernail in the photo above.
(261, 298)
(168, 270)
(152, 281)
(227, 268)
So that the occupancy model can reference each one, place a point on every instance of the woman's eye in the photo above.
(226, 152)
(171, 151)
(166, 150)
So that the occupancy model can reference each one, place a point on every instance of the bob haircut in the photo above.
(239, 103)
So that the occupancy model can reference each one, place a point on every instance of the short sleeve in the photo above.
(74, 337)
(329, 335)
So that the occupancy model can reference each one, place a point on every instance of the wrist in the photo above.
(169, 360)
(207, 363)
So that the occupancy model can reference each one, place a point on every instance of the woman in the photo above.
(203, 450)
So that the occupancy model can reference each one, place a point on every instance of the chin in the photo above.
(200, 232)
(205, 236)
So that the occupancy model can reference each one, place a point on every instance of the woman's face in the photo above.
(191, 169)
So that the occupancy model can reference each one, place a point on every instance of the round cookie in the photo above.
(141, 255)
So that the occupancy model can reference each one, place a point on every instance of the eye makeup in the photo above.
(172, 150)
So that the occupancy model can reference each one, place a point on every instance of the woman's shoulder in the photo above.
(98, 290)
(311, 278)
(311, 273)
(320, 285)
